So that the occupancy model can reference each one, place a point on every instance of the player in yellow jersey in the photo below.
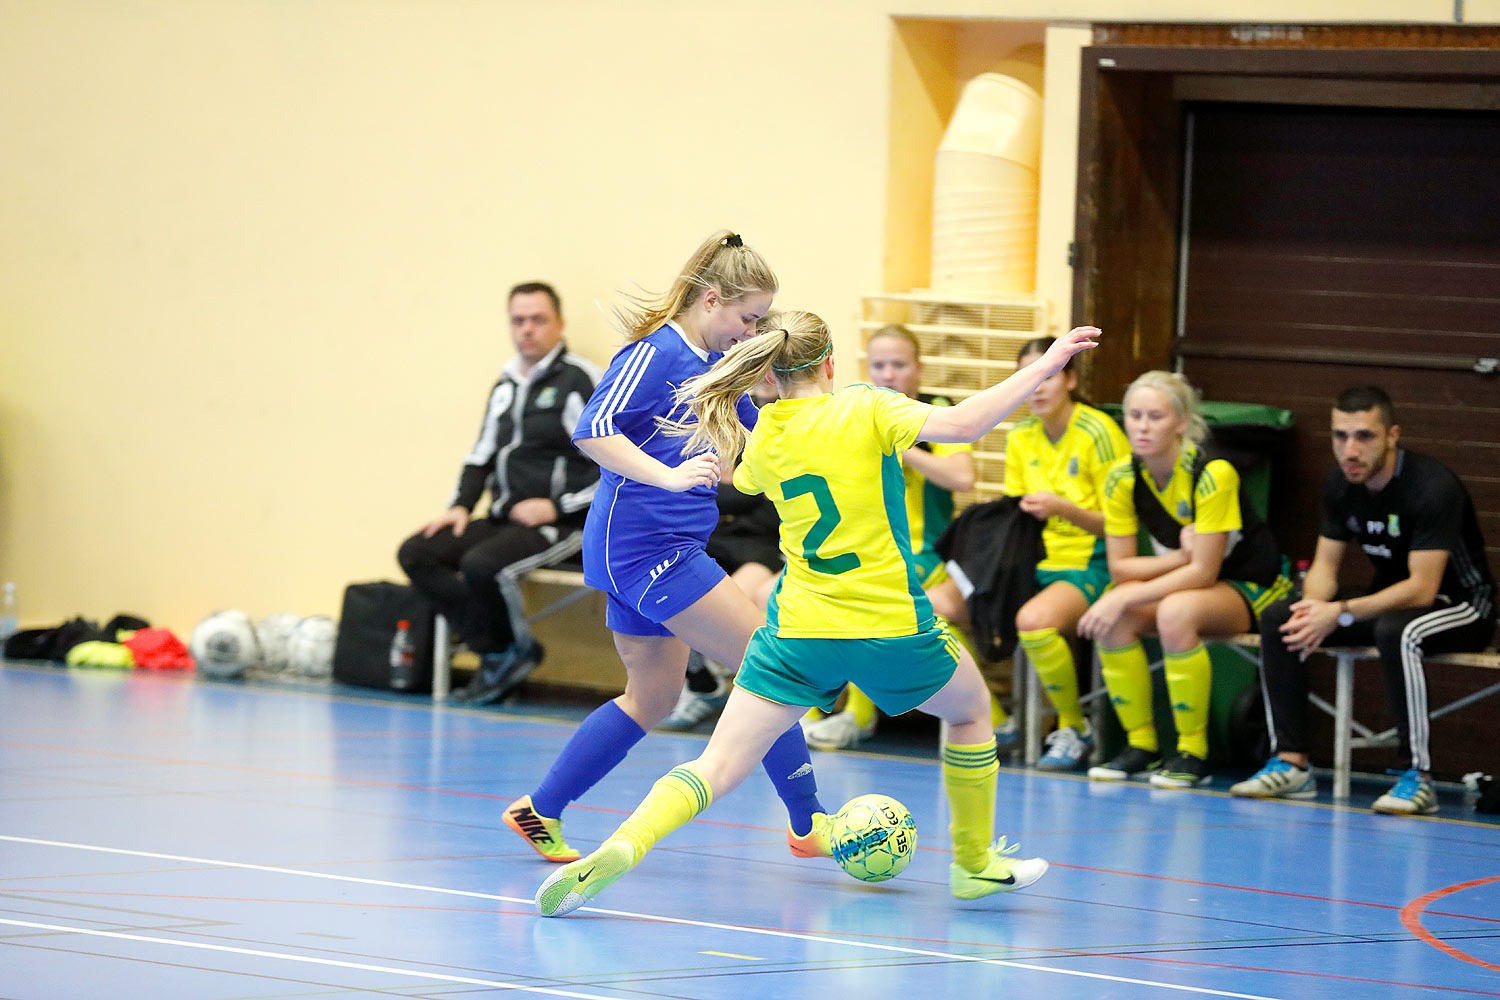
(1056, 461)
(849, 607)
(1214, 567)
(933, 473)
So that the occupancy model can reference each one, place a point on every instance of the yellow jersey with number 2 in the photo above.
(832, 465)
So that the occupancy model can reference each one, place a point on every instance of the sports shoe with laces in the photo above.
(837, 732)
(1183, 771)
(1127, 764)
(500, 673)
(1413, 795)
(1277, 780)
(1067, 749)
(1001, 874)
(543, 834)
(568, 888)
(693, 707)
(1008, 734)
(816, 844)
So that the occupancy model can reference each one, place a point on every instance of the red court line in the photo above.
(1068, 953)
(1290, 895)
(372, 783)
(1411, 918)
(1046, 952)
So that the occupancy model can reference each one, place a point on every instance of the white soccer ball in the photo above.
(309, 650)
(273, 633)
(224, 646)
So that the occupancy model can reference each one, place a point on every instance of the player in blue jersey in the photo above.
(850, 606)
(645, 537)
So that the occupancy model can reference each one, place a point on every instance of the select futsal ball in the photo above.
(309, 649)
(223, 645)
(873, 837)
(274, 632)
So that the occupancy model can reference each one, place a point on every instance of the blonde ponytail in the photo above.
(722, 262)
(790, 346)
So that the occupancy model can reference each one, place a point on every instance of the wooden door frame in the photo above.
(1127, 210)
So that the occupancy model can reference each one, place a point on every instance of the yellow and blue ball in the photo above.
(873, 837)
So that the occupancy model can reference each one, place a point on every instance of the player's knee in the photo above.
(1033, 617)
(1177, 622)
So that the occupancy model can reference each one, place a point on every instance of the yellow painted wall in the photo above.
(253, 253)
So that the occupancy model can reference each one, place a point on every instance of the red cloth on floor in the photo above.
(159, 649)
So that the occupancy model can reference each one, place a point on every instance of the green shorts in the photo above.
(897, 673)
(1258, 598)
(1091, 581)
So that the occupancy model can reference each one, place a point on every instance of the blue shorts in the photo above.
(673, 584)
(897, 673)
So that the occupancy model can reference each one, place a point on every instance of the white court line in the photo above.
(436, 976)
(765, 931)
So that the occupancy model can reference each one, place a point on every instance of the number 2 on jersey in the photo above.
(828, 519)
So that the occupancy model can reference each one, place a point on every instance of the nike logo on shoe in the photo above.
(591, 871)
(531, 825)
(1007, 880)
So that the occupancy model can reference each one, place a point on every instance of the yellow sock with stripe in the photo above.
(1050, 653)
(677, 797)
(860, 706)
(1127, 675)
(1189, 680)
(969, 776)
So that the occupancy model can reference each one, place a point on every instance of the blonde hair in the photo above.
(1182, 396)
(790, 345)
(722, 262)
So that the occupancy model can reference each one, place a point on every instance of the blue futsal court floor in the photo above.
(168, 838)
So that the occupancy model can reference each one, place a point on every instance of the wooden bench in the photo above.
(1349, 734)
(567, 574)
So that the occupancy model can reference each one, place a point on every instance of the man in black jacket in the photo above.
(540, 487)
(1432, 592)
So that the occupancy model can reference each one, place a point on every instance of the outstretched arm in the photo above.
(976, 416)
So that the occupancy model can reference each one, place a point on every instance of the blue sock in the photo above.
(600, 743)
(790, 768)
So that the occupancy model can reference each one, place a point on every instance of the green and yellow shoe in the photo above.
(1001, 874)
(543, 834)
(568, 888)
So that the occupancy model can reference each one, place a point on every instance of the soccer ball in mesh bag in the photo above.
(273, 633)
(309, 650)
(873, 837)
(223, 645)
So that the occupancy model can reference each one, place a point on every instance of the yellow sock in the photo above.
(860, 706)
(677, 797)
(1127, 675)
(1189, 679)
(969, 776)
(1050, 653)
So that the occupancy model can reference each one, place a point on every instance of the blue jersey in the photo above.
(631, 525)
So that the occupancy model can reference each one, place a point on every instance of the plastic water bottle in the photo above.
(403, 658)
(1302, 567)
(9, 623)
